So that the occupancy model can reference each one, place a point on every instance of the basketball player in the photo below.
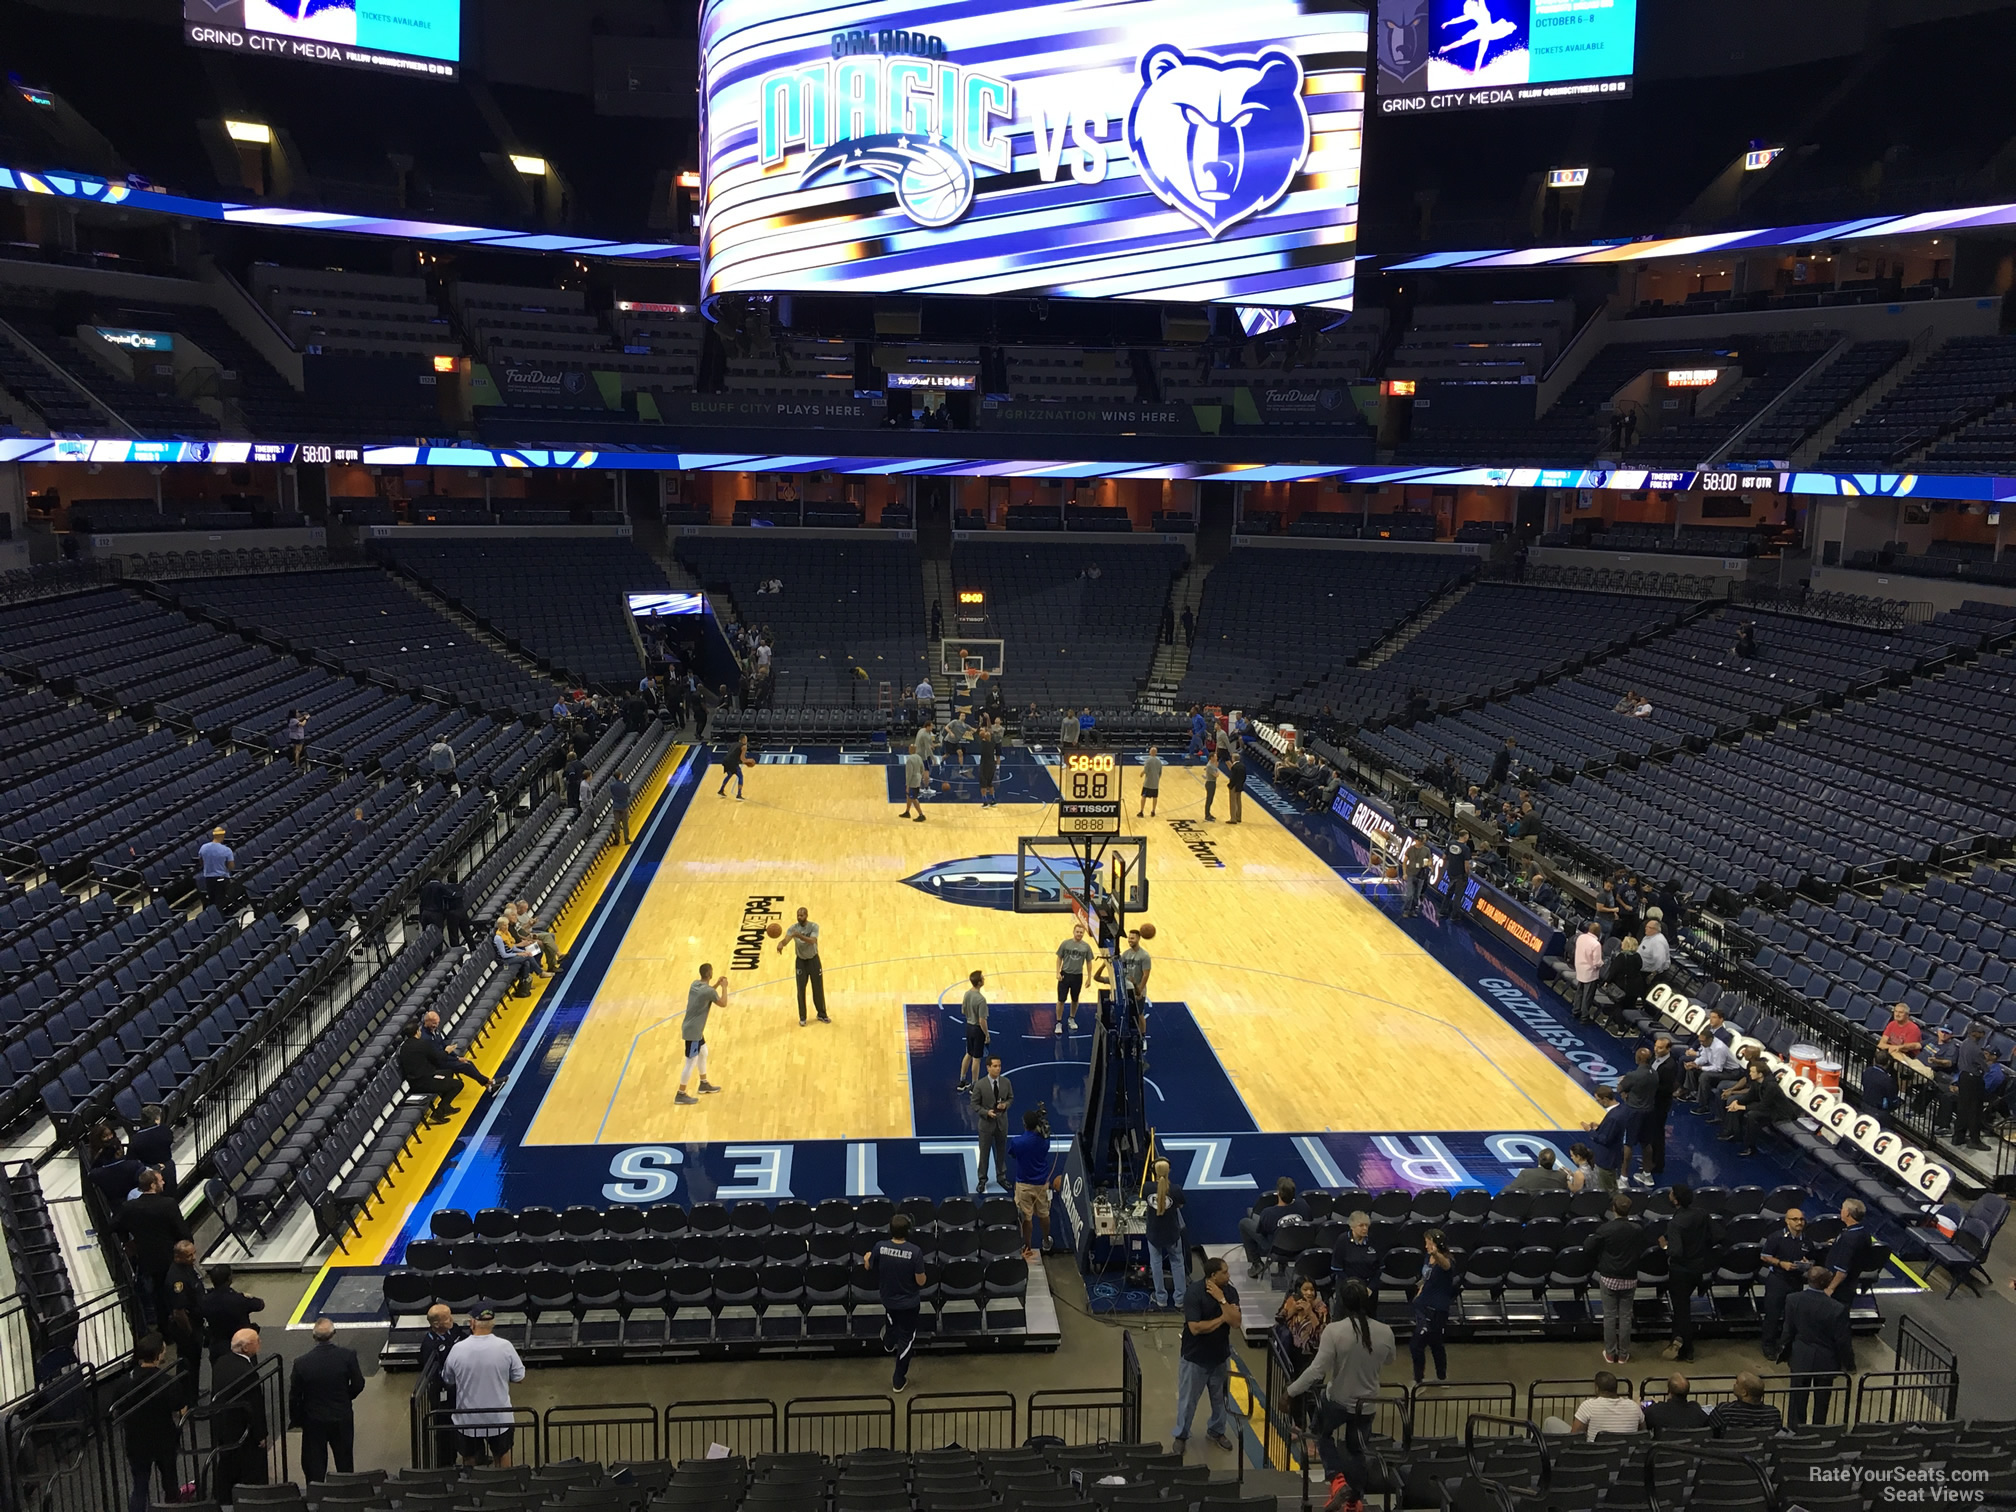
(989, 738)
(1151, 783)
(1073, 956)
(925, 743)
(1135, 967)
(805, 935)
(913, 783)
(700, 1000)
(957, 733)
(974, 1008)
(1210, 783)
(733, 768)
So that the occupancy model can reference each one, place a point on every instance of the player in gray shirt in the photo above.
(1073, 956)
(1151, 783)
(701, 998)
(973, 1006)
(805, 936)
(913, 783)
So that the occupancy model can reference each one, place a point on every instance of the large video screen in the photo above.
(1470, 54)
(396, 36)
(1180, 150)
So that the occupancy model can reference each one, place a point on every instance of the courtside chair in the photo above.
(689, 1297)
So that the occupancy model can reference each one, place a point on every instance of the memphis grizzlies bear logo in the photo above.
(1218, 139)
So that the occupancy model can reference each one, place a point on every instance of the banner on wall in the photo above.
(1107, 418)
(1294, 406)
(752, 409)
(537, 383)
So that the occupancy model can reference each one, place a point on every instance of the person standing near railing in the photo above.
(152, 1413)
(1350, 1355)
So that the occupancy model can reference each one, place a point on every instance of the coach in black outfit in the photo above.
(429, 1068)
(227, 1312)
(326, 1380)
(154, 1223)
(153, 1144)
(1689, 1243)
(1818, 1345)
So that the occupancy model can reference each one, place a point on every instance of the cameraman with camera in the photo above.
(1030, 1159)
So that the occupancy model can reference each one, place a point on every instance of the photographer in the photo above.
(1030, 1159)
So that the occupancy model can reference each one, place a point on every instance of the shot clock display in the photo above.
(1090, 800)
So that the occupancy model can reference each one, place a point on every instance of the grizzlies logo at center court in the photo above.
(1218, 139)
(989, 881)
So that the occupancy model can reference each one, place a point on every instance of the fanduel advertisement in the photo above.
(1174, 150)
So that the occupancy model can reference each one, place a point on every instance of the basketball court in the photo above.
(1297, 1026)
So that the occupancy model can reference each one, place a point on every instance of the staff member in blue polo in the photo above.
(1030, 1159)
(898, 1268)
(215, 862)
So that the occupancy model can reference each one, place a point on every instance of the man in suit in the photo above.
(992, 1095)
(1678, 1410)
(238, 1418)
(1817, 1344)
(1541, 1176)
(153, 1144)
(431, 1068)
(1785, 1262)
(227, 1312)
(153, 1224)
(326, 1380)
(1667, 1071)
(443, 1334)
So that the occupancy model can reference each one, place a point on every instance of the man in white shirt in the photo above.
(1713, 1061)
(1654, 953)
(1605, 1412)
(480, 1372)
(1588, 967)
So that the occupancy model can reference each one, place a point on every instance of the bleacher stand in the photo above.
(1824, 396)
(1467, 652)
(1273, 622)
(1962, 380)
(364, 622)
(559, 602)
(1073, 639)
(844, 604)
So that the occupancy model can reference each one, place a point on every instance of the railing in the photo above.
(744, 1426)
(1130, 1384)
(1443, 1409)
(965, 1419)
(437, 1435)
(837, 1425)
(1925, 1385)
(1818, 1400)
(65, 1449)
(1082, 1414)
(604, 1434)
(1703, 1455)
(1560, 1398)
(17, 1351)
(1507, 1497)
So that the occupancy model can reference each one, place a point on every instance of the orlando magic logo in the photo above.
(934, 184)
(1218, 139)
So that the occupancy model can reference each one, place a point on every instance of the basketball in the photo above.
(774, 930)
(1147, 931)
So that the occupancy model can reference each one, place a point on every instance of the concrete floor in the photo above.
(1088, 1356)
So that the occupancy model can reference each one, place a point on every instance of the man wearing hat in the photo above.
(215, 862)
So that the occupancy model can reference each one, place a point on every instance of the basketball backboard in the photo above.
(1050, 871)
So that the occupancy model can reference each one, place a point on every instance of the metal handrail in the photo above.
(1715, 1456)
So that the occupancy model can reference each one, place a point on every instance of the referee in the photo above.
(805, 936)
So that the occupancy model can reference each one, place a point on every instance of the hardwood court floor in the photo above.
(1323, 1013)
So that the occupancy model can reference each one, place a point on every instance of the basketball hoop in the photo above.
(972, 672)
